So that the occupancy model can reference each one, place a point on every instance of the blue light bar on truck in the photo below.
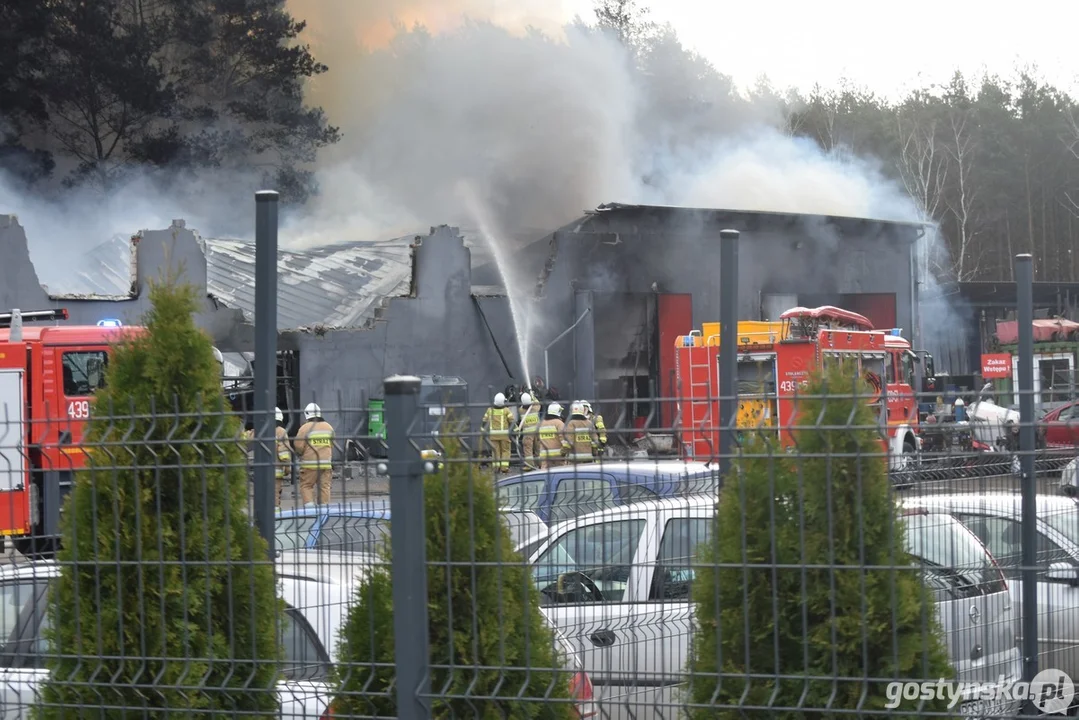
(898, 332)
(109, 322)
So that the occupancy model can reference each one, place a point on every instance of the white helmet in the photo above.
(959, 402)
(526, 399)
(278, 415)
(312, 411)
(577, 408)
(587, 407)
(554, 410)
(500, 400)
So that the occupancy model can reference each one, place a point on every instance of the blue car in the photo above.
(351, 527)
(364, 527)
(567, 491)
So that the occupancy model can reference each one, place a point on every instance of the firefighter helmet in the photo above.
(312, 411)
(278, 415)
(500, 399)
(587, 407)
(577, 408)
(526, 399)
(554, 410)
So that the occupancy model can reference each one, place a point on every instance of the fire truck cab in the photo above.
(48, 375)
(774, 363)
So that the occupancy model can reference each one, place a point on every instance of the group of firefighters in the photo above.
(313, 445)
(545, 440)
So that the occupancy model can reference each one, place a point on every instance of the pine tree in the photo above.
(483, 614)
(159, 607)
(827, 506)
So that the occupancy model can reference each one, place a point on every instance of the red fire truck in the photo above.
(48, 374)
(774, 362)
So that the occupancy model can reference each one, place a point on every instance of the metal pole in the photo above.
(1024, 279)
(408, 549)
(265, 370)
(728, 344)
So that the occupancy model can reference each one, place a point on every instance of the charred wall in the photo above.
(437, 330)
(627, 257)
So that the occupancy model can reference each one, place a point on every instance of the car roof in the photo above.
(1000, 502)
(642, 507)
(622, 469)
(366, 508)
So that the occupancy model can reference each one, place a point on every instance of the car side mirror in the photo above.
(1063, 572)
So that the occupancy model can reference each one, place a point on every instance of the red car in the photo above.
(1061, 426)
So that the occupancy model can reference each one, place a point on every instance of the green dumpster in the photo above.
(376, 421)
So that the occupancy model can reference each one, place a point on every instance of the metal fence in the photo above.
(623, 577)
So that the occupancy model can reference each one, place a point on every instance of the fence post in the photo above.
(265, 362)
(728, 344)
(1024, 281)
(408, 548)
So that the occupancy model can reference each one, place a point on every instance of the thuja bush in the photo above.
(159, 610)
(802, 577)
(491, 651)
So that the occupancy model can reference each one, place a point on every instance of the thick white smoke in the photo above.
(544, 126)
(539, 125)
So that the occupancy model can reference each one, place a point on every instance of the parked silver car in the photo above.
(631, 620)
(996, 518)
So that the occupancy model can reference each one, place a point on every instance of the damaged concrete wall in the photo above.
(437, 330)
(154, 252)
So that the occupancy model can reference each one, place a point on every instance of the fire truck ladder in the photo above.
(700, 395)
(33, 316)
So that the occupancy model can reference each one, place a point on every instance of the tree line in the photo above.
(92, 92)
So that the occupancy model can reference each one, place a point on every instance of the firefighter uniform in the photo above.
(497, 422)
(580, 435)
(551, 438)
(526, 428)
(314, 445)
(598, 426)
(284, 456)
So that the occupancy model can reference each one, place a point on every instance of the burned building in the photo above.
(627, 279)
(634, 278)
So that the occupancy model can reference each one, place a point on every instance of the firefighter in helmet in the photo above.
(600, 430)
(580, 435)
(497, 421)
(552, 439)
(314, 445)
(283, 466)
(526, 429)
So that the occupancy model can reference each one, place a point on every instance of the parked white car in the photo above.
(996, 518)
(341, 572)
(303, 694)
(630, 614)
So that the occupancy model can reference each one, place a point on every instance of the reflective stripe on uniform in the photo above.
(582, 456)
(319, 438)
(316, 464)
(550, 452)
(548, 432)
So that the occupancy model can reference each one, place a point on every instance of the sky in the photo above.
(910, 44)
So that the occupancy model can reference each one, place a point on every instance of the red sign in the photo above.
(996, 365)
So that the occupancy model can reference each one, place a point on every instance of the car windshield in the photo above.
(941, 542)
(596, 559)
(1065, 521)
